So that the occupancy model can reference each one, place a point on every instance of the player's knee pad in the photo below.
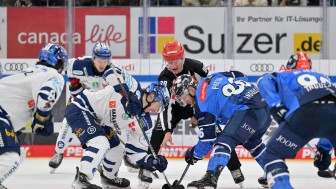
(96, 149)
(112, 161)
(10, 162)
(285, 143)
(220, 156)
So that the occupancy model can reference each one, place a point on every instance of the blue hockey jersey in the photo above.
(222, 96)
(294, 88)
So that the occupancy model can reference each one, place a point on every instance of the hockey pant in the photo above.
(312, 120)
(244, 128)
(131, 143)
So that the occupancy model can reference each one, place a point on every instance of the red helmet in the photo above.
(173, 50)
(299, 60)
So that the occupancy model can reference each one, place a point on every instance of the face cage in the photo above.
(179, 99)
(156, 99)
(166, 63)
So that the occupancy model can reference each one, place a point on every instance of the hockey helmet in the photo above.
(181, 86)
(299, 60)
(161, 93)
(173, 50)
(53, 55)
(101, 50)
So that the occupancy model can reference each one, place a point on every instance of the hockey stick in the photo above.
(139, 122)
(177, 183)
(326, 174)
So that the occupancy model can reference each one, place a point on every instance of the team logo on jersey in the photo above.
(91, 130)
(31, 104)
(125, 116)
(203, 91)
(95, 84)
(132, 126)
(60, 144)
(112, 104)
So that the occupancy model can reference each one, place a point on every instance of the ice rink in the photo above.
(34, 174)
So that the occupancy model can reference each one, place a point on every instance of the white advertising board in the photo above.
(3, 31)
(259, 33)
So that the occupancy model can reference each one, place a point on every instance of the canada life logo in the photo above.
(110, 29)
(161, 29)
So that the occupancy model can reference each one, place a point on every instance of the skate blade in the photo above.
(241, 184)
(52, 170)
(202, 187)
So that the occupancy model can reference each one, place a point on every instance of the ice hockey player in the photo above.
(220, 97)
(91, 116)
(83, 73)
(35, 91)
(302, 101)
(175, 65)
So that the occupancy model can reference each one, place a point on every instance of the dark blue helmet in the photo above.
(101, 50)
(161, 93)
(53, 54)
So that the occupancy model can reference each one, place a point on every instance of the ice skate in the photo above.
(209, 180)
(263, 181)
(238, 177)
(132, 168)
(112, 183)
(81, 182)
(55, 162)
(144, 179)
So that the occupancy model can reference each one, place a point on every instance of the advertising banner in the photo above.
(3, 31)
(28, 31)
(258, 33)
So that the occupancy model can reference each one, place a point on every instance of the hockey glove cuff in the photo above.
(190, 158)
(278, 113)
(322, 159)
(44, 128)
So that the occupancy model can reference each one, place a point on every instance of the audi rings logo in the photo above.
(262, 67)
(15, 66)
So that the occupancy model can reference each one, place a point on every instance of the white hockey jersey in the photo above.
(21, 94)
(82, 69)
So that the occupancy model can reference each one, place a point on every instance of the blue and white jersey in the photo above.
(294, 88)
(106, 106)
(222, 96)
(82, 69)
(37, 87)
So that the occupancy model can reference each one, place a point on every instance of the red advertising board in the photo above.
(172, 152)
(28, 29)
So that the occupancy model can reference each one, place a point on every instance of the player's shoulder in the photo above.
(166, 75)
(192, 62)
(81, 65)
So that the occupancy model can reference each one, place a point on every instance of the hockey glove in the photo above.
(190, 158)
(322, 159)
(152, 164)
(43, 128)
(133, 105)
(76, 89)
(278, 113)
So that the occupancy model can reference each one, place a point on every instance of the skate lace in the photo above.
(236, 173)
(118, 180)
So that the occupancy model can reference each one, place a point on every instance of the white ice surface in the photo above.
(34, 174)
